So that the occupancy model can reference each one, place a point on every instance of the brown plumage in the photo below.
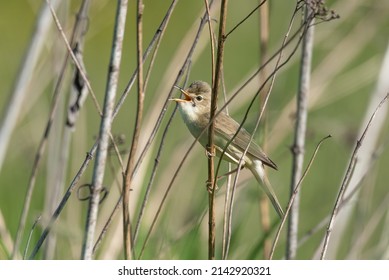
(195, 108)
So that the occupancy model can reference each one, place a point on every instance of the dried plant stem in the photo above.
(180, 164)
(346, 179)
(81, 69)
(158, 34)
(180, 74)
(30, 235)
(65, 198)
(20, 90)
(92, 151)
(154, 42)
(346, 199)
(74, 59)
(264, 16)
(155, 167)
(300, 131)
(211, 148)
(266, 98)
(364, 156)
(152, 177)
(227, 197)
(42, 145)
(62, 137)
(293, 196)
(128, 248)
(245, 18)
(105, 128)
(211, 38)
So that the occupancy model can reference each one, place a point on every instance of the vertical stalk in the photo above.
(211, 148)
(128, 246)
(105, 129)
(300, 131)
(264, 17)
(21, 88)
(14, 106)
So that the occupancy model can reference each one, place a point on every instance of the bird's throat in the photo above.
(194, 119)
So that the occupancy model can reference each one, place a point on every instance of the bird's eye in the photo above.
(199, 98)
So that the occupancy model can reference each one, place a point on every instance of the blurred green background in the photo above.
(347, 58)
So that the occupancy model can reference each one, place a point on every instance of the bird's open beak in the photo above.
(186, 95)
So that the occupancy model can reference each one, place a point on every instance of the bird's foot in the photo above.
(209, 153)
(209, 187)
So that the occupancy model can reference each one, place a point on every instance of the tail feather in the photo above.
(258, 171)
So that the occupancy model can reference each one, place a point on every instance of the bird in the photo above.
(194, 108)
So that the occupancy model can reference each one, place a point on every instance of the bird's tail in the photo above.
(259, 173)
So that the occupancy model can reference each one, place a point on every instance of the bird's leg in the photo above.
(208, 152)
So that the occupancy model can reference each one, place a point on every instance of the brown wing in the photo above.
(242, 139)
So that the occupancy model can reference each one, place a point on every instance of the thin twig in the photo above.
(181, 72)
(155, 167)
(293, 196)
(30, 235)
(154, 42)
(158, 34)
(264, 34)
(105, 128)
(245, 18)
(42, 145)
(226, 226)
(62, 136)
(62, 204)
(343, 186)
(216, 81)
(346, 199)
(127, 235)
(92, 151)
(272, 78)
(82, 72)
(253, 76)
(212, 40)
(211, 148)
(74, 59)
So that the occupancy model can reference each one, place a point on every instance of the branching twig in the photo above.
(293, 196)
(346, 199)
(346, 178)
